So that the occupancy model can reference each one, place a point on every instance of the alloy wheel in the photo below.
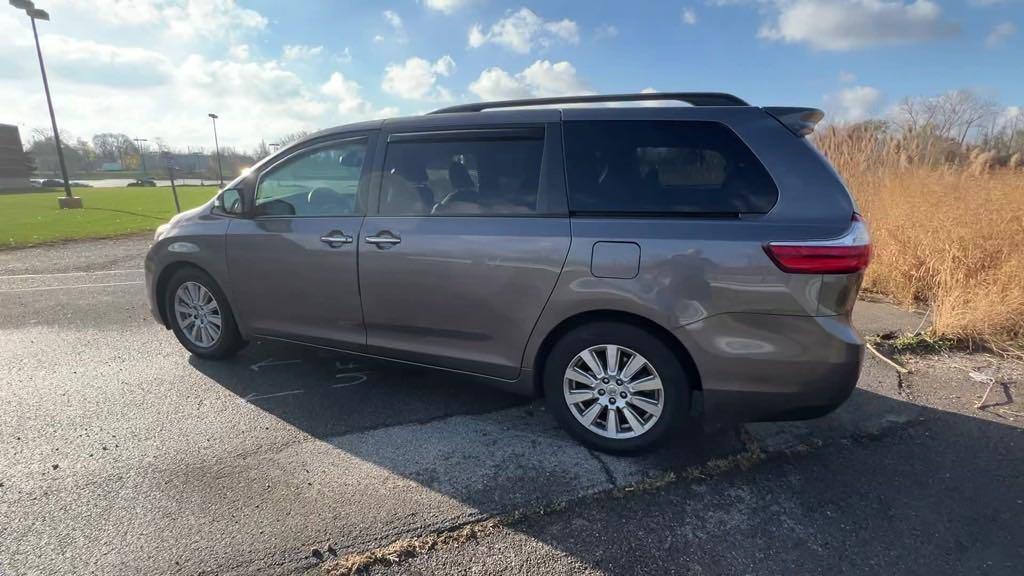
(198, 314)
(613, 391)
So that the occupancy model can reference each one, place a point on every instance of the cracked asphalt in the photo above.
(120, 454)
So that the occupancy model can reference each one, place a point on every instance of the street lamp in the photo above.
(220, 168)
(142, 155)
(68, 201)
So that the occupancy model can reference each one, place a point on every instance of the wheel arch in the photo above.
(580, 319)
(165, 276)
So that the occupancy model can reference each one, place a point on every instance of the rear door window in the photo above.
(663, 167)
(463, 173)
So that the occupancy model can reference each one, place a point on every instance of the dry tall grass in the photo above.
(948, 236)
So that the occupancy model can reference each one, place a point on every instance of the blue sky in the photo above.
(153, 68)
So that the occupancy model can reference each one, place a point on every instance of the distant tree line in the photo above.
(88, 157)
(955, 128)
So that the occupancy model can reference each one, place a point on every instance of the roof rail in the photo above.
(692, 98)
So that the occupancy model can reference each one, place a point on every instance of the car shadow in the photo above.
(498, 453)
(445, 431)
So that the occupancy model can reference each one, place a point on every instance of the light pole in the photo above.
(142, 155)
(34, 14)
(220, 168)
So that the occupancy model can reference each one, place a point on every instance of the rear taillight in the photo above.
(844, 255)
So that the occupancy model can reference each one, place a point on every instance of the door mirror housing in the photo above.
(229, 202)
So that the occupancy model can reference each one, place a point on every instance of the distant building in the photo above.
(110, 167)
(15, 165)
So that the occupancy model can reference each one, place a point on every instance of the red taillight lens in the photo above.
(845, 255)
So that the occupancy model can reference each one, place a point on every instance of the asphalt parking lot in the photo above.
(121, 454)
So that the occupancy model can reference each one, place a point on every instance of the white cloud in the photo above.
(393, 19)
(345, 93)
(239, 52)
(689, 16)
(140, 81)
(301, 51)
(345, 56)
(444, 66)
(90, 62)
(855, 103)
(477, 38)
(520, 31)
(181, 19)
(847, 77)
(497, 84)
(606, 31)
(130, 12)
(1000, 33)
(540, 79)
(207, 18)
(840, 25)
(417, 78)
(397, 26)
(446, 6)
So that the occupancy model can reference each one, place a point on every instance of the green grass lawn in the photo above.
(33, 217)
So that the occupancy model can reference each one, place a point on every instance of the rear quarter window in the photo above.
(663, 167)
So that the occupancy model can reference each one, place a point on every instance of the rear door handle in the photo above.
(383, 239)
(335, 238)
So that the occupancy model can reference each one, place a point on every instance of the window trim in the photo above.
(548, 133)
(361, 189)
(470, 135)
(682, 215)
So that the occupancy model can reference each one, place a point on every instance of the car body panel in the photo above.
(756, 367)
(200, 228)
(295, 285)
(459, 292)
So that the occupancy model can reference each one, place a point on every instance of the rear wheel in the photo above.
(200, 316)
(616, 388)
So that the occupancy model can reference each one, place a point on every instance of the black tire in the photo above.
(229, 341)
(675, 410)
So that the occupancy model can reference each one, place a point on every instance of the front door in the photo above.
(466, 249)
(293, 264)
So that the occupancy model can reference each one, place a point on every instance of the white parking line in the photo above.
(70, 273)
(71, 286)
(254, 396)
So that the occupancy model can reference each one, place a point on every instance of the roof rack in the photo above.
(692, 98)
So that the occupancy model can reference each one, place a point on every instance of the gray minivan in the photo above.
(639, 266)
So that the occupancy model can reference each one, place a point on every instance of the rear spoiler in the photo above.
(800, 121)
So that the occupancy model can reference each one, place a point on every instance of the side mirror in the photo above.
(229, 202)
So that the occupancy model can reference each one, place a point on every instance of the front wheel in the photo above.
(616, 388)
(200, 316)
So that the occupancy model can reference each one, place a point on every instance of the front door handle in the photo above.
(335, 238)
(383, 239)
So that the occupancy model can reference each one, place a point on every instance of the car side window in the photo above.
(663, 167)
(322, 181)
(463, 174)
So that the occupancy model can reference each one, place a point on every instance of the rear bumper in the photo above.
(757, 367)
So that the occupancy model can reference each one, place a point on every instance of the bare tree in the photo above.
(294, 136)
(952, 115)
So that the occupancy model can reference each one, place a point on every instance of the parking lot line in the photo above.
(71, 286)
(70, 273)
